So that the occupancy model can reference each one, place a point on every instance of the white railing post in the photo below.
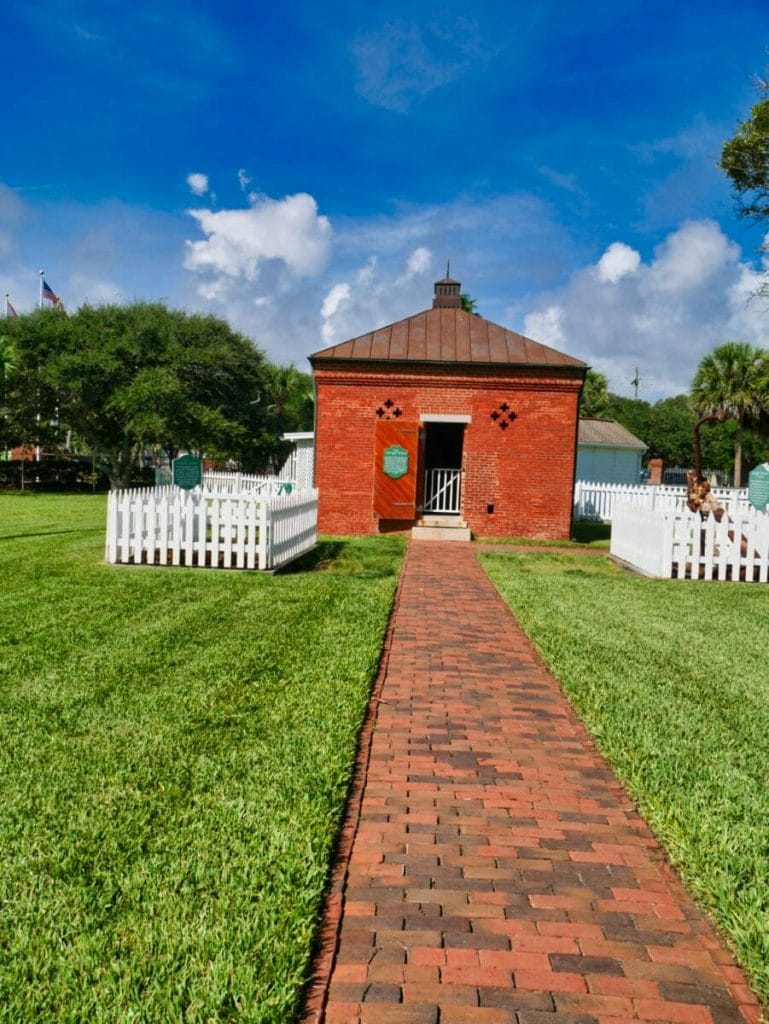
(263, 542)
(112, 527)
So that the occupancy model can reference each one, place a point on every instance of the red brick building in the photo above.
(446, 417)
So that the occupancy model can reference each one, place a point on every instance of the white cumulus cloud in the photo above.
(660, 315)
(375, 296)
(339, 293)
(419, 261)
(696, 253)
(238, 242)
(197, 183)
(545, 326)
(617, 262)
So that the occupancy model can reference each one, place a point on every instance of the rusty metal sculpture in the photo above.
(699, 497)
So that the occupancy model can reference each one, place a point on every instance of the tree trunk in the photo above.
(121, 465)
(738, 454)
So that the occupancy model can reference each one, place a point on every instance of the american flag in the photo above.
(9, 310)
(50, 294)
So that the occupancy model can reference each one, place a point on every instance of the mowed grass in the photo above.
(175, 750)
(672, 678)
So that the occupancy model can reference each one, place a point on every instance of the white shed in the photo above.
(608, 453)
(299, 467)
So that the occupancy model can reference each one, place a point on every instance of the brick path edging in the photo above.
(316, 994)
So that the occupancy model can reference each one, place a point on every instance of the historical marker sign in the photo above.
(758, 486)
(188, 472)
(395, 462)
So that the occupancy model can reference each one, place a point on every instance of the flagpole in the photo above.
(40, 300)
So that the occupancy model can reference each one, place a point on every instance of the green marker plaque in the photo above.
(188, 472)
(395, 462)
(758, 486)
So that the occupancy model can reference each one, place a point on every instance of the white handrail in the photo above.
(442, 490)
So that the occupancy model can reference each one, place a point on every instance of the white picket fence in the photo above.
(680, 544)
(168, 526)
(597, 501)
(244, 483)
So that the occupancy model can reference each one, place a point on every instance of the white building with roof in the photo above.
(608, 453)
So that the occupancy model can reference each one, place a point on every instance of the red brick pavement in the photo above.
(492, 870)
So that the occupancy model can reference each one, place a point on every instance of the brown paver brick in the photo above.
(476, 1015)
(491, 869)
(388, 1013)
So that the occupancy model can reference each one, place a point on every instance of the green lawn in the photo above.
(672, 678)
(584, 534)
(176, 745)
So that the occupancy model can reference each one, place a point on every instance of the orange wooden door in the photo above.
(396, 454)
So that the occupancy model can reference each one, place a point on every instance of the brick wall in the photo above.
(525, 471)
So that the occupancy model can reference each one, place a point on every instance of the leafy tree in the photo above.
(745, 160)
(731, 384)
(127, 377)
(633, 413)
(718, 446)
(7, 368)
(667, 428)
(671, 425)
(594, 401)
(291, 398)
(7, 358)
(30, 402)
(468, 304)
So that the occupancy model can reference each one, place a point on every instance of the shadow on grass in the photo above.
(591, 533)
(47, 533)
(372, 557)
(317, 560)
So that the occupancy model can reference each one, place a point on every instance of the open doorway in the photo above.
(443, 468)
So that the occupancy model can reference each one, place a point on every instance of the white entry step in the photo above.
(441, 528)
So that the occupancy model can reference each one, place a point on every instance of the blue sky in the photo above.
(306, 170)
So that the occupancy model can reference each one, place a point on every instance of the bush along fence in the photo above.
(680, 544)
(168, 526)
(597, 501)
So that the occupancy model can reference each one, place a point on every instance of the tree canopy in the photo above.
(594, 400)
(7, 370)
(667, 427)
(731, 384)
(127, 377)
(745, 160)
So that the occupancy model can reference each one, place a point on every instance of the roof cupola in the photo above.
(447, 292)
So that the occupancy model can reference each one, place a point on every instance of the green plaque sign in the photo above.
(188, 472)
(395, 461)
(758, 486)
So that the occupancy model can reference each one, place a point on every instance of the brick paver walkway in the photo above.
(492, 870)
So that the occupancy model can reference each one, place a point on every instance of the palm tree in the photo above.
(731, 384)
(594, 400)
(291, 398)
